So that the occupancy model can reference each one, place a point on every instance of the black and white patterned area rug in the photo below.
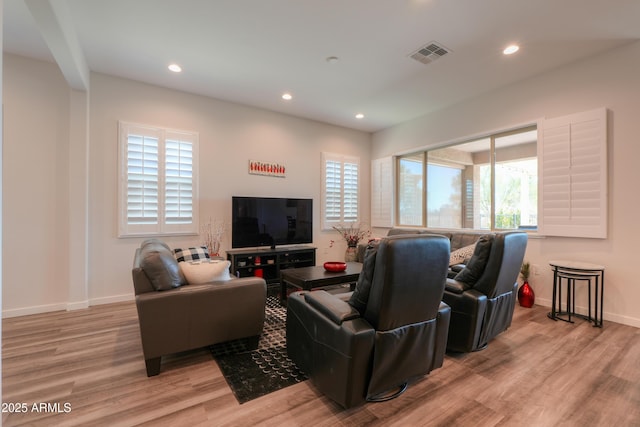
(254, 373)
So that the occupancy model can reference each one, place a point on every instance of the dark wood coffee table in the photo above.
(308, 278)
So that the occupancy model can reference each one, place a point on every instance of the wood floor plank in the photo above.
(538, 373)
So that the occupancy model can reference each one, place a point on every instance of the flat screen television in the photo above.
(270, 221)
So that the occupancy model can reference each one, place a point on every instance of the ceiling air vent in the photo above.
(430, 53)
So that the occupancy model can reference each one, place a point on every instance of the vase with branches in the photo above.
(352, 234)
(526, 297)
(212, 232)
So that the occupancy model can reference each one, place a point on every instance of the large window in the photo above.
(411, 189)
(340, 190)
(488, 183)
(157, 181)
(444, 196)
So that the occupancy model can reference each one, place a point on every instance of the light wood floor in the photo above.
(538, 373)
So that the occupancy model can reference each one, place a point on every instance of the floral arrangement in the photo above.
(351, 234)
(213, 231)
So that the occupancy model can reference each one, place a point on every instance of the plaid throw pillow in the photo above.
(191, 254)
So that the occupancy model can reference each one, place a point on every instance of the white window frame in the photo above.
(427, 161)
(346, 201)
(159, 226)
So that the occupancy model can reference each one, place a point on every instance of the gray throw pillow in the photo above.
(476, 265)
(360, 295)
(161, 269)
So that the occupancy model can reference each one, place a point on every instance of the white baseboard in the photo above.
(113, 299)
(25, 311)
(611, 317)
(77, 305)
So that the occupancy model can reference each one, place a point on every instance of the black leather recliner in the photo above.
(400, 333)
(482, 306)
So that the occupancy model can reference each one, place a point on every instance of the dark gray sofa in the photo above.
(457, 239)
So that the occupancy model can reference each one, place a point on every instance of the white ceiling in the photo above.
(251, 51)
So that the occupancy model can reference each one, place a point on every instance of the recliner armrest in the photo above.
(456, 287)
(333, 308)
(458, 267)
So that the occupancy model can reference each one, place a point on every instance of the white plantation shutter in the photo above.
(142, 179)
(332, 191)
(340, 190)
(179, 182)
(382, 192)
(350, 192)
(158, 181)
(573, 175)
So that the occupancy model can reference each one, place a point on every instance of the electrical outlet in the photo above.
(535, 270)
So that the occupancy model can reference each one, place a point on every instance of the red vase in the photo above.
(526, 297)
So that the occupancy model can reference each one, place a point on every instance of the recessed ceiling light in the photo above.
(175, 68)
(287, 96)
(359, 116)
(332, 59)
(511, 49)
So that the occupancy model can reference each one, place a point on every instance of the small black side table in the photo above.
(572, 272)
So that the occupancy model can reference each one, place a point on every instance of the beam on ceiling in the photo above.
(54, 21)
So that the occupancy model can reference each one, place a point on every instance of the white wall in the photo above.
(611, 80)
(35, 185)
(230, 135)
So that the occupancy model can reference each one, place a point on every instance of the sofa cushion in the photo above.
(398, 231)
(160, 267)
(476, 265)
(191, 254)
(461, 255)
(197, 273)
(438, 232)
(461, 239)
(360, 295)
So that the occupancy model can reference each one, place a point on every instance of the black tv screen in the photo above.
(271, 221)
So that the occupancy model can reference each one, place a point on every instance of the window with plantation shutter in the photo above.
(340, 190)
(158, 181)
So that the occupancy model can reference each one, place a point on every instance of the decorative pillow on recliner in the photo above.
(475, 267)
(360, 295)
(160, 267)
(460, 255)
(191, 254)
(205, 271)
